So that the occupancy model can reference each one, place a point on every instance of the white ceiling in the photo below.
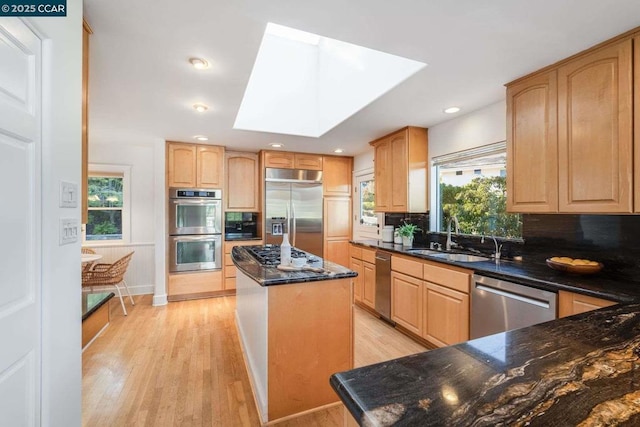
(142, 86)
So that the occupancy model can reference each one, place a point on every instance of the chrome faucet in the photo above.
(496, 254)
(450, 243)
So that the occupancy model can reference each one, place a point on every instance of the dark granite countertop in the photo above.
(93, 301)
(537, 274)
(580, 370)
(268, 276)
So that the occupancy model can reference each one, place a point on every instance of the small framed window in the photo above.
(108, 203)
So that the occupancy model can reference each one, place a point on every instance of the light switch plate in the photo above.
(69, 230)
(68, 194)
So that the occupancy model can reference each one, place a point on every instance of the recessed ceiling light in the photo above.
(199, 63)
(276, 145)
(201, 138)
(338, 150)
(451, 110)
(200, 108)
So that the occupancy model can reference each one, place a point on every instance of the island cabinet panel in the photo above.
(407, 302)
(181, 165)
(230, 270)
(358, 283)
(570, 303)
(309, 339)
(369, 284)
(400, 169)
(595, 116)
(336, 176)
(446, 319)
(636, 120)
(532, 144)
(243, 182)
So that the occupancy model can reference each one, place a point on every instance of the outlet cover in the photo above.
(69, 230)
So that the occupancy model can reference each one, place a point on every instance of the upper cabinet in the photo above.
(401, 171)
(636, 120)
(242, 192)
(289, 160)
(195, 166)
(336, 176)
(595, 124)
(570, 140)
(532, 145)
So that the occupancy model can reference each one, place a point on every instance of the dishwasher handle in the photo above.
(522, 298)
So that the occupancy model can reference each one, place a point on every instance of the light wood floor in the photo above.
(181, 365)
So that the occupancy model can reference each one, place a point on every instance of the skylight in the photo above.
(305, 84)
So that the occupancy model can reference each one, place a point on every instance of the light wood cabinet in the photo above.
(636, 121)
(289, 160)
(407, 302)
(185, 286)
(446, 319)
(84, 191)
(336, 176)
(401, 171)
(532, 144)
(243, 182)
(356, 265)
(595, 116)
(210, 166)
(337, 229)
(369, 284)
(229, 266)
(192, 165)
(570, 303)
(570, 130)
(307, 161)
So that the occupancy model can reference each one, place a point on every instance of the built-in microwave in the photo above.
(195, 211)
(195, 253)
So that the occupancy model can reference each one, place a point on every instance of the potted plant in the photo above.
(406, 231)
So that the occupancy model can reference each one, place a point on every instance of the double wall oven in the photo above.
(195, 229)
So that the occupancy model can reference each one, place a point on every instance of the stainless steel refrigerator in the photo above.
(293, 204)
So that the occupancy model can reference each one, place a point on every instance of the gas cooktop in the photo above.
(269, 255)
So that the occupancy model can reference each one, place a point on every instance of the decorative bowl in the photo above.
(574, 268)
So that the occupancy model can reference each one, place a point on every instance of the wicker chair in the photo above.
(109, 275)
(88, 251)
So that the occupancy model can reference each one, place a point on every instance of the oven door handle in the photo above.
(196, 202)
(215, 238)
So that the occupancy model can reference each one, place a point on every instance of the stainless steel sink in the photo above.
(458, 257)
(424, 252)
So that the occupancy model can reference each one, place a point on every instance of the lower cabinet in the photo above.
(570, 303)
(229, 267)
(358, 283)
(446, 320)
(182, 286)
(407, 302)
(369, 284)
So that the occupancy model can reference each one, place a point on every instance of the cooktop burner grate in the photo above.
(269, 255)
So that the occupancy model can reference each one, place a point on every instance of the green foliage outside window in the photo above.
(481, 207)
(105, 208)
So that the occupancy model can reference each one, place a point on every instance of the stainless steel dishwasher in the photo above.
(498, 306)
(383, 284)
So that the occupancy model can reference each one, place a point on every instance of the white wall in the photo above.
(140, 158)
(363, 161)
(61, 159)
(478, 128)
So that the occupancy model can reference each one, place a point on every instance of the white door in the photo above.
(20, 249)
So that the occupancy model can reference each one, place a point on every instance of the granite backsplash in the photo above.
(613, 240)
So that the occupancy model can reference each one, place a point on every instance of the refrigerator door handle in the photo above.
(293, 217)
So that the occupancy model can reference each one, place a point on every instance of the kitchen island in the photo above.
(579, 370)
(296, 329)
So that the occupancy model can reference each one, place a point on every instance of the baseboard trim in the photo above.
(159, 300)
